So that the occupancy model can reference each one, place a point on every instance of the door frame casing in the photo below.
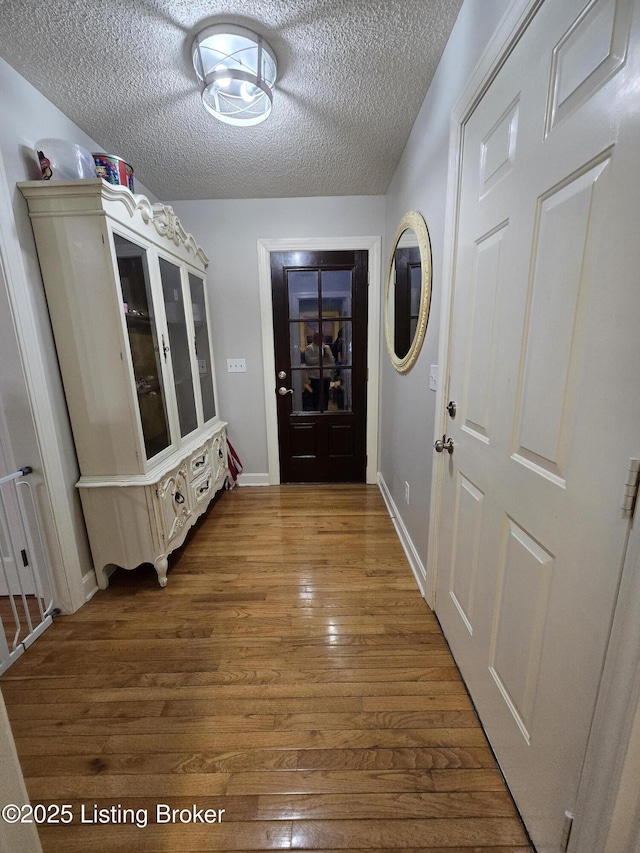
(372, 245)
(608, 763)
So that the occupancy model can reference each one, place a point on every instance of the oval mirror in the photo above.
(408, 291)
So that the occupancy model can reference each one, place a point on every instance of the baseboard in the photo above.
(90, 585)
(413, 557)
(253, 480)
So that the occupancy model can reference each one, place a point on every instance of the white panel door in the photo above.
(544, 361)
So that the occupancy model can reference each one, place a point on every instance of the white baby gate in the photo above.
(26, 591)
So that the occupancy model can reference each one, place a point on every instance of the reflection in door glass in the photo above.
(336, 293)
(341, 346)
(301, 334)
(303, 294)
(340, 398)
(179, 345)
(298, 380)
(336, 339)
(143, 343)
(319, 362)
(329, 392)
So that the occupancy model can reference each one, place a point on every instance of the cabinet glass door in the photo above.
(143, 343)
(203, 353)
(179, 345)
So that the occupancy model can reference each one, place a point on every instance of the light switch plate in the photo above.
(433, 377)
(236, 365)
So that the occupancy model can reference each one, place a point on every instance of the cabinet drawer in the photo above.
(202, 488)
(218, 450)
(174, 503)
(198, 462)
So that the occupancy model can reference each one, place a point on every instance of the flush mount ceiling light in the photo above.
(237, 69)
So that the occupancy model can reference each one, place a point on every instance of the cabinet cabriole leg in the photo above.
(101, 577)
(161, 565)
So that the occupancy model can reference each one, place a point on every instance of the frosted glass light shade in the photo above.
(237, 70)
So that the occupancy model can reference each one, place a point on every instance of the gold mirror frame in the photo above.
(413, 221)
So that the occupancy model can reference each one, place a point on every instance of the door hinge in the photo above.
(567, 825)
(630, 497)
(25, 559)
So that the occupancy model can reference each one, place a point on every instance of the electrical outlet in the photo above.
(433, 377)
(406, 493)
(202, 366)
(236, 365)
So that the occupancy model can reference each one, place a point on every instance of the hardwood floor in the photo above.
(290, 674)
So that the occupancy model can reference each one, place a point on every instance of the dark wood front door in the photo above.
(320, 330)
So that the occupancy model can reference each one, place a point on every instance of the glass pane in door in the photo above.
(304, 328)
(203, 354)
(302, 287)
(143, 344)
(320, 339)
(337, 313)
(336, 293)
(179, 346)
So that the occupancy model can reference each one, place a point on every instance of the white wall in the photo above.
(228, 231)
(26, 117)
(420, 183)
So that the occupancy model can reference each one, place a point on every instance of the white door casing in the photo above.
(542, 363)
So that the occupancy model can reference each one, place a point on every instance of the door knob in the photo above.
(444, 443)
(452, 408)
(284, 391)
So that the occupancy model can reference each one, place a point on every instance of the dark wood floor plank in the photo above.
(256, 760)
(331, 781)
(65, 690)
(178, 676)
(64, 744)
(155, 838)
(387, 806)
(351, 834)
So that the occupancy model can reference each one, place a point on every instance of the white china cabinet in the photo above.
(125, 288)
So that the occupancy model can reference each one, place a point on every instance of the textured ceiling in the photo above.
(352, 75)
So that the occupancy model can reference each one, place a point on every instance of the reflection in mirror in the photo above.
(406, 291)
(408, 294)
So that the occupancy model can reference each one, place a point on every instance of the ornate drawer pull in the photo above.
(204, 488)
(200, 462)
(179, 499)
